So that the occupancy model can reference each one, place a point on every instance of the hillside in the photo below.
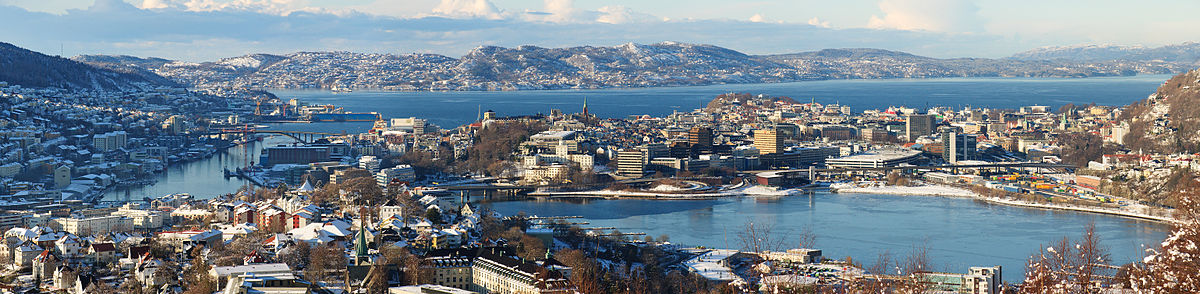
(1168, 121)
(26, 68)
(628, 65)
(1186, 53)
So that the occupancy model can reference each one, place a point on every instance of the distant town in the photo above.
(395, 209)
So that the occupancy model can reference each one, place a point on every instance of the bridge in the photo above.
(299, 136)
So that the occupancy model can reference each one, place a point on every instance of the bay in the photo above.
(958, 233)
(452, 109)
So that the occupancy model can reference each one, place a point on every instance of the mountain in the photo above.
(1168, 121)
(627, 65)
(27, 68)
(1186, 53)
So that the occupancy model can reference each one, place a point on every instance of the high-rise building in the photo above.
(702, 136)
(917, 125)
(631, 162)
(768, 141)
(959, 147)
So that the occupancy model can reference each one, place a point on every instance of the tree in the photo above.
(325, 262)
(295, 256)
(434, 215)
(1065, 266)
(757, 238)
(1175, 268)
(196, 277)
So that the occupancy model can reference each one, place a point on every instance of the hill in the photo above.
(628, 65)
(27, 68)
(1186, 53)
(1168, 121)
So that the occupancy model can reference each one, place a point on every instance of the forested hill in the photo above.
(19, 66)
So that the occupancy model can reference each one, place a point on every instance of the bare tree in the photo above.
(1065, 266)
(807, 238)
(757, 237)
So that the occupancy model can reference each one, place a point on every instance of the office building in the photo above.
(768, 141)
(701, 137)
(959, 147)
(631, 162)
(916, 125)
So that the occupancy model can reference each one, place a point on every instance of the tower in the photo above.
(585, 112)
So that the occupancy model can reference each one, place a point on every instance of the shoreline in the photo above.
(946, 191)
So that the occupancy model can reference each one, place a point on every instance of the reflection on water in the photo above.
(959, 232)
(203, 178)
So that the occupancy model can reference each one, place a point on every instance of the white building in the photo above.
(369, 163)
(95, 225)
(404, 173)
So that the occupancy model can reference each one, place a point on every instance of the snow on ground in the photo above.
(666, 188)
(928, 190)
(765, 191)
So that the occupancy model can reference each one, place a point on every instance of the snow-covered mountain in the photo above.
(626, 65)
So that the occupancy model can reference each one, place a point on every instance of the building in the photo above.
(631, 162)
(403, 173)
(550, 140)
(495, 273)
(296, 155)
(62, 177)
(959, 147)
(701, 137)
(876, 158)
(554, 173)
(768, 141)
(978, 280)
(139, 218)
(411, 125)
(95, 225)
(427, 289)
(917, 125)
(369, 163)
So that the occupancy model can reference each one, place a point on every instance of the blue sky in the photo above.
(200, 30)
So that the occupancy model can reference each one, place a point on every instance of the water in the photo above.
(203, 178)
(959, 233)
(452, 109)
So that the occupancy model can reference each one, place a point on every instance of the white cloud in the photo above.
(468, 8)
(928, 15)
(757, 17)
(618, 14)
(818, 22)
(560, 11)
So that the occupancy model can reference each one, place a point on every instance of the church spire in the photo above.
(585, 112)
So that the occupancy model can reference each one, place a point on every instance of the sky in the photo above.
(205, 30)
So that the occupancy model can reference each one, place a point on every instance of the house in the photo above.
(102, 252)
(45, 264)
(70, 246)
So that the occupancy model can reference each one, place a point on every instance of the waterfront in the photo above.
(958, 232)
(451, 109)
(202, 178)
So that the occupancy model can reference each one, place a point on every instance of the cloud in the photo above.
(928, 15)
(178, 32)
(560, 11)
(468, 8)
(758, 18)
(817, 22)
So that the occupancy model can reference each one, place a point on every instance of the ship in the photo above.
(345, 116)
